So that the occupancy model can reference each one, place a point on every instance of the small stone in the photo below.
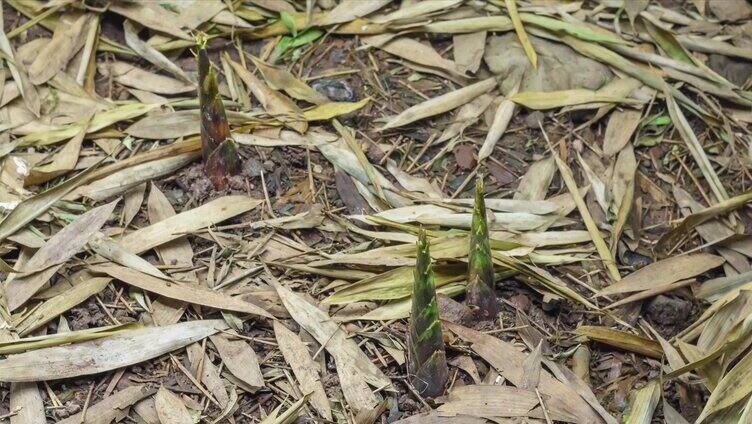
(269, 165)
(336, 90)
(668, 310)
(532, 119)
(176, 196)
(251, 168)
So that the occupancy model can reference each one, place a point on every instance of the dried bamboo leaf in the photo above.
(415, 10)
(644, 403)
(664, 272)
(521, 34)
(63, 161)
(441, 104)
(281, 79)
(100, 120)
(491, 401)
(111, 408)
(170, 408)
(55, 55)
(534, 184)
(239, 358)
(190, 293)
(113, 251)
(26, 88)
(305, 369)
(52, 308)
(167, 125)
(31, 208)
(290, 414)
(331, 110)
(537, 207)
(149, 53)
(26, 399)
(198, 12)
(126, 179)
(695, 148)
(507, 360)
(400, 309)
(275, 103)
(467, 115)
(393, 284)
(581, 31)
(209, 374)
(354, 368)
(621, 125)
(152, 15)
(646, 76)
(592, 227)
(468, 50)
(39, 342)
(132, 203)
(349, 10)
(621, 340)
(131, 76)
(501, 120)
(691, 221)
(347, 135)
(414, 51)
(186, 222)
(553, 99)
(105, 354)
(468, 25)
(58, 249)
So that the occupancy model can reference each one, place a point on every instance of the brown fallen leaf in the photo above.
(621, 125)
(170, 408)
(491, 401)
(58, 249)
(441, 104)
(209, 373)
(508, 360)
(191, 293)
(177, 252)
(274, 102)
(664, 272)
(305, 369)
(55, 55)
(239, 358)
(111, 408)
(354, 368)
(105, 354)
(622, 340)
(177, 226)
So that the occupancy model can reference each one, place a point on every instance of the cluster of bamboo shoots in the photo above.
(427, 356)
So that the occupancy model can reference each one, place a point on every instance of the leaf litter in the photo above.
(282, 289)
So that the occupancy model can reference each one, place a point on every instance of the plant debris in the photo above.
(209, 211)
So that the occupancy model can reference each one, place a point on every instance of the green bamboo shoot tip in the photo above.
(427, 366)
(481, 294)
